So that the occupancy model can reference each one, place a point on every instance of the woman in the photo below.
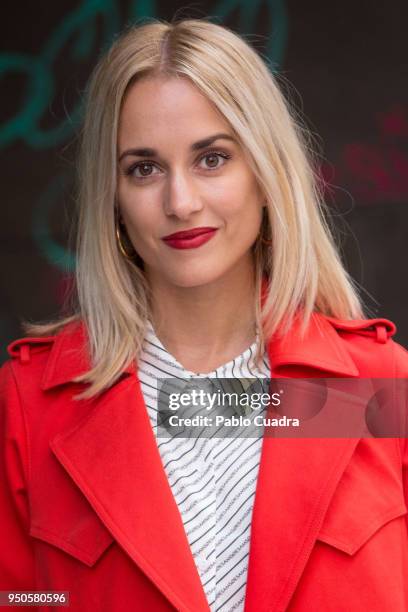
(202, 253)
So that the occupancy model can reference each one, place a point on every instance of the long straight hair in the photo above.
(295, 250)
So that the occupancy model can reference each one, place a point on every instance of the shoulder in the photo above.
(23, 386)
(370, 344)
(23, 349)
(29, 355)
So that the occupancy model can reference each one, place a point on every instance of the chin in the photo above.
(195, 277)
(193, 280)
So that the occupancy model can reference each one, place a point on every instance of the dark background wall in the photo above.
(347, 65)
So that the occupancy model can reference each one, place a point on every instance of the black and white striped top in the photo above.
(213, 480)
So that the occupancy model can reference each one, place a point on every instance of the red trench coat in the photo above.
(85, 505)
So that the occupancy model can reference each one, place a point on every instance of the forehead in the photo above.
(161, 107)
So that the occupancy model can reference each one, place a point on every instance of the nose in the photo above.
(181, 198)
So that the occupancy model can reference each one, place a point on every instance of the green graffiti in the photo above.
(247, 15)
(142, 8)
(80, 24)
(55, 253)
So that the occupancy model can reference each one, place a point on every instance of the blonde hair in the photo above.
(295, 250)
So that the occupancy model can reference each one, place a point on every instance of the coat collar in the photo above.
(69, 357)
(321, 348)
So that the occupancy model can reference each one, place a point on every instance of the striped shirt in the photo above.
(213, 480)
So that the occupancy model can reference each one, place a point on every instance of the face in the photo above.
(186, 194)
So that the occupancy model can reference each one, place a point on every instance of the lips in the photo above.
(197, 231)
(190, 239)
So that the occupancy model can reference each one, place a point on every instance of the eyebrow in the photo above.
(196, 146)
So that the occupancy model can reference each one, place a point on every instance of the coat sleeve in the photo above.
(16, 553)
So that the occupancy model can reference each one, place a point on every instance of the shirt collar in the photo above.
(245, 361)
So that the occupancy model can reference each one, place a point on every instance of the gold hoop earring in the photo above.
(122, 249)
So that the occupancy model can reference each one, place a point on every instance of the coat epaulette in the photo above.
(379, 329)
(22, 347)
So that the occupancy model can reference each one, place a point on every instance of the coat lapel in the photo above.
(112, 457)
(297, 477)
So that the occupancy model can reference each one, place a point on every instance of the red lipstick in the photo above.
(190, 239)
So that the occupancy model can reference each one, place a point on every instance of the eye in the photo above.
(144, 168)
(212, 159)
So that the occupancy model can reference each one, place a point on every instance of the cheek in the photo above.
(137, 213)
(140, 224)
(243, 200)
(244, 211)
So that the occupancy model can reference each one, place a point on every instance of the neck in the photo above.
(206, 326)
